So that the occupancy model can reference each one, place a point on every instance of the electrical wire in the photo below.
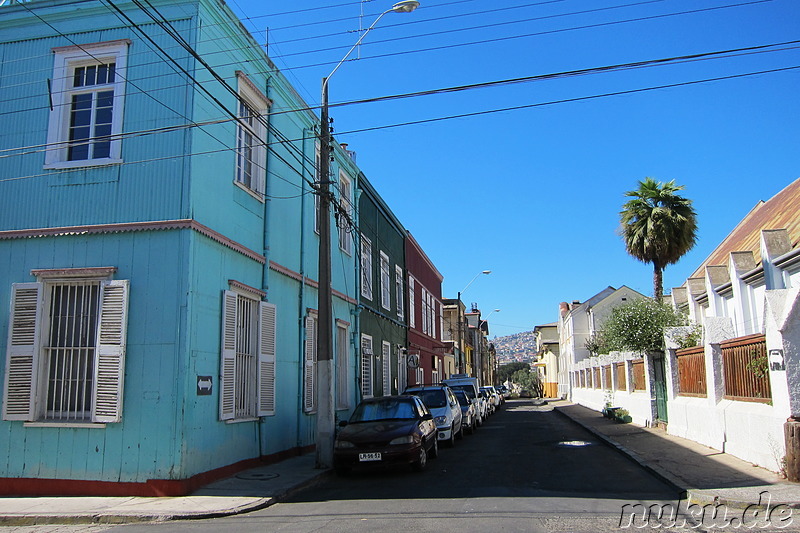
(537, 34)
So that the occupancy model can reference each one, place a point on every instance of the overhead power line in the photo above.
(576, 99)
(536, 34)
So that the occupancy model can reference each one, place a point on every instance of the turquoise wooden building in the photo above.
(158, 253)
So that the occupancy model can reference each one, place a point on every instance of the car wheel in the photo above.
(434, 453)
(452, 441)
(460, 434)
(422, 461)
(471, 427)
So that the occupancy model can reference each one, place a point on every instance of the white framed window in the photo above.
(426, 310)
(342, 366)
(399, 291)
(386, 360)
(310, 365)
(412, 305)
(366, 366)
(251, 150)
(87, 98)
(247, 362)
(65, 361)
(386, 293)
(366, 268)
(345, 218)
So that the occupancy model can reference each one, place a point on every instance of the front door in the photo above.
(660, 387)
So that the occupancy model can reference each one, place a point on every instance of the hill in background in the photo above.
(520, 347)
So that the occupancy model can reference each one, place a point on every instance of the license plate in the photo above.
(372, 456)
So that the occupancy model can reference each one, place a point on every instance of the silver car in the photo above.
(444, 407)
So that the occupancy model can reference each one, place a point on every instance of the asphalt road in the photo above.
(527, 468)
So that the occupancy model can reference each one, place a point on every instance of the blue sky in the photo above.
(534, 194)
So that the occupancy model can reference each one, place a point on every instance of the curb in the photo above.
(144, 516)
(701, 497)
(657, 471)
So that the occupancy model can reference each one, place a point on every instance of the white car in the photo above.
(444, 406)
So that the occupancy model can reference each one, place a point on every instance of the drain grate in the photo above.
(258, 476)
(575, 443)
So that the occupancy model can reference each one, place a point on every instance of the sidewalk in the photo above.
(708, 476)
(248, 490)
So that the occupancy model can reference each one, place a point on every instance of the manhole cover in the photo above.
(257, 476)
(575, 443)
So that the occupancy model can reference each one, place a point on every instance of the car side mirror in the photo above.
(427, 416)
(343, 423)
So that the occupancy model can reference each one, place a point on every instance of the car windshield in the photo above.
(433, 398)
(462, 397)
(468, 389)
(384, 410)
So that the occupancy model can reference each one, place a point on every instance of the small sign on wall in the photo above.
(204, 385)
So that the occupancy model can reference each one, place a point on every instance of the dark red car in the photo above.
(388, 430)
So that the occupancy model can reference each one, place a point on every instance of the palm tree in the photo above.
(658, 226)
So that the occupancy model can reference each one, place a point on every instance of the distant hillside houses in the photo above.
(520, 347)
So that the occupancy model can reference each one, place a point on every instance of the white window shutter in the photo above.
(22, 356)
(309, 367)
(227, 372)
(386, 355)
(366, 367)
(110, 358)
(267, 333)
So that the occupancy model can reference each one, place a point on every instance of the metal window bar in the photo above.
(70, 350)
(246, 342)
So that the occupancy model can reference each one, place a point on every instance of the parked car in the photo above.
(469, 417)
(494, 395)
(491, 399)
(504, 392)
(443, 405)
(388, 430)
(486, 398)
(469, 385)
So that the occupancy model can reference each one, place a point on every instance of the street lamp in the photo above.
(325, 410)
(461, 363)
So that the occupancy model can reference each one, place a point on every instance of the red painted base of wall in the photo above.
(152, 487)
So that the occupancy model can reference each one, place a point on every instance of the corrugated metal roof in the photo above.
(782, 211)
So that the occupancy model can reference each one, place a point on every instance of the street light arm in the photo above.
(358, 42)
(473, 279)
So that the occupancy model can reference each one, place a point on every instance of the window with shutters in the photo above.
(386, 360)
(66, 351)
(412, 303)
(251, 133)
(310, 365)
(366, 366)
(366, 268)
(86, 97)
(399, 291)
(247, 372)
(386, 292)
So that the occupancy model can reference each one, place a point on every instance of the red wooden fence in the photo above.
(692, 372)
(744, 365)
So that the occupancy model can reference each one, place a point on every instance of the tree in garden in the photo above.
(529, 380)
(638, 326)
(505, 371)
(658, 226)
